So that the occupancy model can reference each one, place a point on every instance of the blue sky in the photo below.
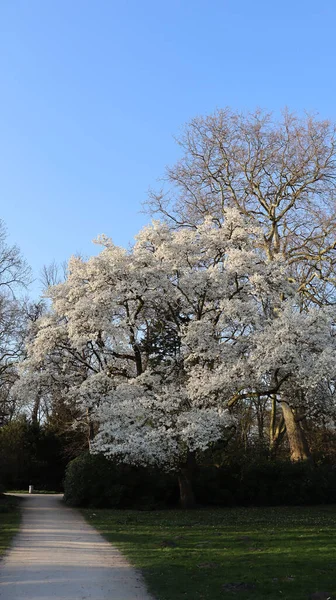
(93, 91)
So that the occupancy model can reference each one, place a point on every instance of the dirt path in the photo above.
(58, 556)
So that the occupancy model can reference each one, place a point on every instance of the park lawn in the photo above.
(9, 521)
(224, 554)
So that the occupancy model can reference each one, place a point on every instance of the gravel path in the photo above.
(58, 556)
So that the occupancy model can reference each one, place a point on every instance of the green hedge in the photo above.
(266, 483)
(92, 480)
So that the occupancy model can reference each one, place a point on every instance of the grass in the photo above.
(9, 521)
(34, 492)
(224, 554)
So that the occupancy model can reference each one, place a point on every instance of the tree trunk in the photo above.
(277, 430)
(187, 498)
(259, 405)
(90, 428)
(35, 411)
(298, 445)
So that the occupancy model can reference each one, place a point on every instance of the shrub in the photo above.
(93, 480)
(266, 482)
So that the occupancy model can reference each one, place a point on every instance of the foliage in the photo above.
(254, 553)
(92, 480)
(266, 483)
(30, 454)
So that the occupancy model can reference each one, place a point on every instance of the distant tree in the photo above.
(53, 274)
(14, 278)
(14, 271)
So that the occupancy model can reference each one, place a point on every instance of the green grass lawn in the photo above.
(9, 521)
(217, 554)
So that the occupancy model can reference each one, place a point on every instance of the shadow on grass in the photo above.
(234, 553)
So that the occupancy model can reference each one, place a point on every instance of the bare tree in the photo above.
(14, 272)
(53, 274)
(14, 277)
(281, 174)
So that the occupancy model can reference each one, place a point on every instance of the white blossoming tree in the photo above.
(169, 335)
(278, 171)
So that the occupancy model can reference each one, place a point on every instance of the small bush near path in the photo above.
(219, 554)
(9, 521)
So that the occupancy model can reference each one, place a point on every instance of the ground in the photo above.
(245, 553)
(218, 554)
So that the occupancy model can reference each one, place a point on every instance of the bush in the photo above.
(265, 483)
(93, 480)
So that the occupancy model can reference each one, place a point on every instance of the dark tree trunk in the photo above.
(298, 445)
(185, 475)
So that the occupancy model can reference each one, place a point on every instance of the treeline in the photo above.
(205, 354)
(31, 454)
(38, 455)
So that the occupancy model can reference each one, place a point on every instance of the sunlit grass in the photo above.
(9, 521)
(248, 553)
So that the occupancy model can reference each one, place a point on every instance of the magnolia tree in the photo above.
(281, 172)
(156, 344)
(53, 372)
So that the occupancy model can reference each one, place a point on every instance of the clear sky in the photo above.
(93, 91)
